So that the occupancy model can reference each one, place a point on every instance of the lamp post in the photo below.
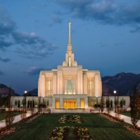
(115, 92)
(25, 93)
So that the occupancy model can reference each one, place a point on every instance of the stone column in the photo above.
(96, 85)
(59, 82)
(61, 102)
(78, 102)
(50, 101)
(81, 83)
(85, 84)
(54, 83)
(86, 102)
(53, 102)
(42, 85)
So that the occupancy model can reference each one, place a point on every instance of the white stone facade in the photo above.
(70, 78)
(69, 86)
(70, 81)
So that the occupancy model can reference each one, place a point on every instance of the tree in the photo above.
(28, 103)
(122, 103)
(8, 114)
(33, 103)
(3, 101)
(108, 105)
(47, 103)
(102, 104)
(39, 108)
(111, 103)
(135, 107)
(117, 115)
(18, 103)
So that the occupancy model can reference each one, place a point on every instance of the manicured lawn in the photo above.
(99, 128)
(2, 115)
(126, 113)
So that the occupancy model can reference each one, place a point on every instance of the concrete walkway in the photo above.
(17, 119)
(125, 118)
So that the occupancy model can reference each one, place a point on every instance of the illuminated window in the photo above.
(48, 87)
(70, 87)
(82, 103)
(57, 104)
(69, 61)
(90, 87)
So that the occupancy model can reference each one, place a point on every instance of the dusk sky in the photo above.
(34, 37)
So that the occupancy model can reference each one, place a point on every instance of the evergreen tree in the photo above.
(135, 107)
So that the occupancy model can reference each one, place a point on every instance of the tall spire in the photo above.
(69, 49)
(69, 54)
(69, 39)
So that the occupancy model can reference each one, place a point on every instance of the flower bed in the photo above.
(111, 118)
(60, 133)
(76, 119)
(7, 131)
(133, 130)
(81, 133)
(33, 117)
(70, 119)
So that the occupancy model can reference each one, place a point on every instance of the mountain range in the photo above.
(123, 83)
(4, 90)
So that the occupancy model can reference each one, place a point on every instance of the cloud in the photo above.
(36, 52)
(33, 71)
(10, 36)
(56, 19)
(7, 25)
(137, 29)
(4, 59)
(104, 11)
(1, 73)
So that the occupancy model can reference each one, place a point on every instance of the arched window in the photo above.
(69, 62)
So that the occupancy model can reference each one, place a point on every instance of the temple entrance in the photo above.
(82, 103)
(57, 104)
(69, 104)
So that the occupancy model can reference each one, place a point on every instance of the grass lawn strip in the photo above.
(99, 128)
(32, 118)
(7, 131)
(2, 115)
(111, 118)
(126, 114)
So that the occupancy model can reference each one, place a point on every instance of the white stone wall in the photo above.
(81, 77)
(98, 99)
(62, 97)
(30, 98)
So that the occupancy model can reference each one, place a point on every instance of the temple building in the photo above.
(69, 86)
